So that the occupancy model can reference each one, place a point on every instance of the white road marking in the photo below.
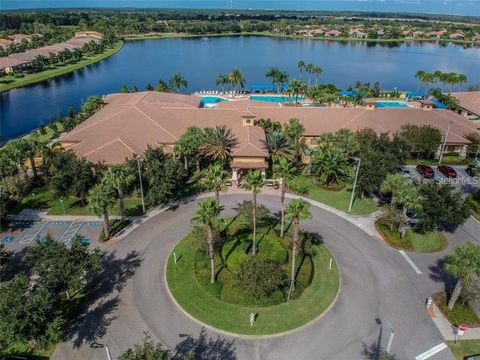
(405, 256)
(431, 352)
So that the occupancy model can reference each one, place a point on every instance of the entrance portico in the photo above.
(242, 166)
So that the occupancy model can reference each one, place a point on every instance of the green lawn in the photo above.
(9, 82)
(44, 199)
(413, 241)
(49, 135)
(464, 348)
(460, 314)
(209, 309)
(341, 199)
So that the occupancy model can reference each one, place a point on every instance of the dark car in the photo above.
(448, 171)
(470, 170)
(426, 171)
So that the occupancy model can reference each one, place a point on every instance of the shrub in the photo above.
(298, 184)
(454, 160)
(273, 250)
(259, 277)
(244, 211)
(391, 217)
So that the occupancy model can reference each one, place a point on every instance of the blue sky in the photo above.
(460, 7)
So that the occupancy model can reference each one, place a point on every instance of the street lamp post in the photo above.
(98, 345)
(354, 185)
(442, 150)
(141, 184)
(63, 206)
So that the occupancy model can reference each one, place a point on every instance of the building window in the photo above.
(314, 141)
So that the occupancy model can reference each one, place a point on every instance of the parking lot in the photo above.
(463, 182)
(24, 233)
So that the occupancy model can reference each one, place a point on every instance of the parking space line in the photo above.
(429, 353)
(23, 241)
(412, 264)
(66, 230)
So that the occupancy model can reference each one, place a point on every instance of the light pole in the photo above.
(141, 183)
(63, 206)
(354, 185)
(442, 150)
(98, 345)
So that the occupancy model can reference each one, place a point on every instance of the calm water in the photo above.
(460, 7)
(143, 62)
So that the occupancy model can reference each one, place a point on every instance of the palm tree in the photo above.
(278, 146)
(120, 176)
(301, 66)
(272, 74)
(464, 264)
(207, 215)
(317, 70)
(462, 79)
(310, 70)
(177, 81)
(284, 171)
(294, 131)
(219, 143)
(216, 178)
(419, 76)
(330, 164)
(101, 197)
(296, 88)
(297, 209)
(222, 80)
(404, 193)
(254, 181)
(235, 77)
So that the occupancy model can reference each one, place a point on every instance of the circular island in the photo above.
(251, 293)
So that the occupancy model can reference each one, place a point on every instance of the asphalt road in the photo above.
(379, 292)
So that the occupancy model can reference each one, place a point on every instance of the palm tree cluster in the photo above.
(310, 69)
(277, 77)
(235, 78)
(208, 213)
(437, 76)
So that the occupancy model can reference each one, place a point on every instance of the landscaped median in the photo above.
(413, 241)
(223, 307)
(10, 82)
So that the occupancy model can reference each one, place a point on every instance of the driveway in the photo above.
(378, 293)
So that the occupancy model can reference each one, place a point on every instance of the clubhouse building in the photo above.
(129, 123)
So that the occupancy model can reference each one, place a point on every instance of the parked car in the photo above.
(426, 171)
(448, 171)
(405, 171)
(470, 170)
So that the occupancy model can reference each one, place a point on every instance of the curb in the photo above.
(254, 337)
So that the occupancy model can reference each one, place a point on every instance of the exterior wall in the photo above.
(311, 141)
(248, 159)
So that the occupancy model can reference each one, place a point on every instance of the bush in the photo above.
(273, 250)
(259, 277)
(460, 314)
(333, 186)
(298, 184)
(391, 218)
(454, 160)
(394, 238)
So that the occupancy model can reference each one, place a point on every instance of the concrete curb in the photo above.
(255, 337)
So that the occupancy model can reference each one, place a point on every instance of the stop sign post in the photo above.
(460, 331)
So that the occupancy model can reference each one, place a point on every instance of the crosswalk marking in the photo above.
(431, 352)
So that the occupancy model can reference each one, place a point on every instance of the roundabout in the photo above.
(375, 293)
(222, 306)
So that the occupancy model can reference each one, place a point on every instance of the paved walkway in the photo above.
(447, 330)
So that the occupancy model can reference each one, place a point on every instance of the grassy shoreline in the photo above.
(57, 71)
(274, 35)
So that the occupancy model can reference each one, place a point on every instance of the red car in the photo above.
(426, 171)
(448, 171)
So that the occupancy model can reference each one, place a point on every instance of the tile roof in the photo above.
(469, 100)
(131, 122)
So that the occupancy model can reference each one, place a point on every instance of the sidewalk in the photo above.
(448, 330)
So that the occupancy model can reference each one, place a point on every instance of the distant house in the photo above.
(357, 33)
(333, 33)
(476, 38)
(17, 38)
(90, 34)
(436, 34)
(5, 42)
(417, 34)
(457, 35)
(381, 32)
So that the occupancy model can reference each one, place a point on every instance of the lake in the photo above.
(147, 61)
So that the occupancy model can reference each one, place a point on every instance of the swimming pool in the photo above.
(391, 104)
(275, 98)
(212, 99)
